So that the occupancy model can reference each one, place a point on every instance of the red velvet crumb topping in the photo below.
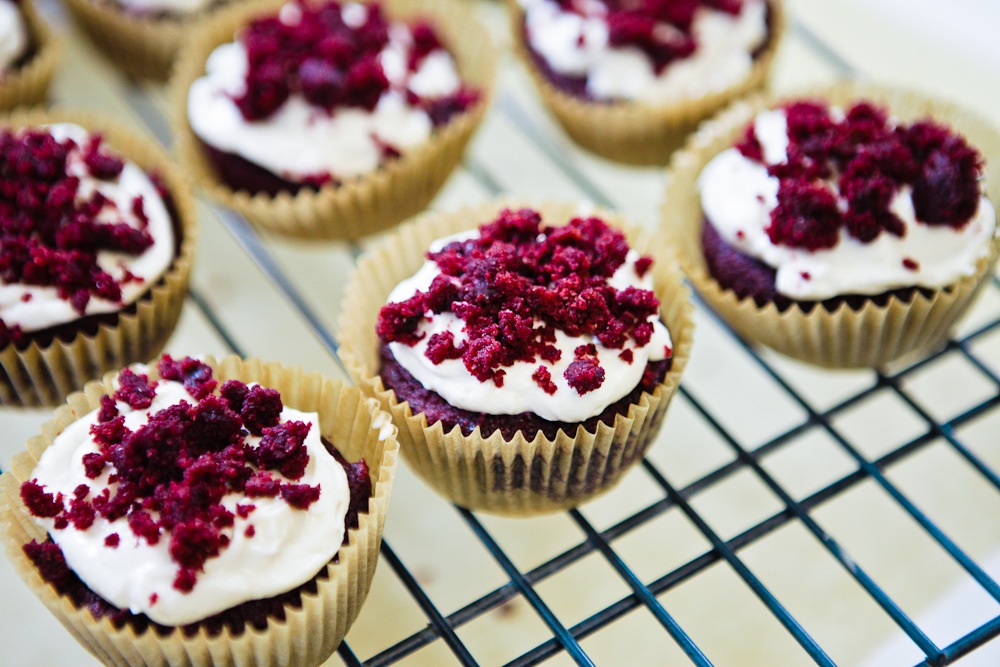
(169, 476)
(870, 159)
(640, 24)
(515, 285)
(50, 232)
(331, 64)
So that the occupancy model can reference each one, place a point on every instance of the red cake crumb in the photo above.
(639, 24)
(543, 379)
(330, 63)
(261, 409)
(584, 375)
(193, 374)
(50, 234)
(170, 474)
(250, 531)
(911, 264)
(516, 284)
(871, 160)
(112, 541)
(135, 390)
(626, 356)
(153, 599)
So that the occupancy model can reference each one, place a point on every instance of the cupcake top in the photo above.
(654, 51)
(179, 499)
(82, 230)
(850, 202)
(519, 317)
(13, 34)
(325, 92)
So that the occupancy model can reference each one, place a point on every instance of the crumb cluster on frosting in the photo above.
(82, 230)
(850, 201)
(870, 158)
(326, 91)
(562, 308)
(177, 474)
(653, 50)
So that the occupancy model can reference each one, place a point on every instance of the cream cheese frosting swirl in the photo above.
(286, 548)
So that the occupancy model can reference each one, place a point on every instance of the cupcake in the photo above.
(327, 119)
(847, 228)
(28, 55)
(198, 513)
(141, 37)
(630, 81)
(527, 358)
(98, 235)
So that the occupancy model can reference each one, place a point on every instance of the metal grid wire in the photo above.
(567, 639)
(646, 594)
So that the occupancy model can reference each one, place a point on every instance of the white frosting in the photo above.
(576, 44)
(738, 195)
(170, 6)
(520, 393)
(13, 33)
(288, 548)
(300, 140)
(34, 307)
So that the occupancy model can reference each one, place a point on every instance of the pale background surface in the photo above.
(947, 48)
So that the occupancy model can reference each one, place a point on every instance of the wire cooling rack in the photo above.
(758, 428)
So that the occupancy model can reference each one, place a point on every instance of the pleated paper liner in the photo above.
(44, 374)
(28, 84)
(308, 635)
(484, 471)
(142, 47)
(369, 203)
(634, 132)
(872, 336)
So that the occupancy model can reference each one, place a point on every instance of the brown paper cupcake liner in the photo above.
(872, 336)
(487, 472)
(633, 132)
(28, 84)
(44, 374)
(308, 635)
(142, 47)
(370, 203)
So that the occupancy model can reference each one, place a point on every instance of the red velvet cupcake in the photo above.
(852, 210)
(529, 362)
(364, 107)
(98, 237)
(629, 81)
(28, 55)
(230, 525)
